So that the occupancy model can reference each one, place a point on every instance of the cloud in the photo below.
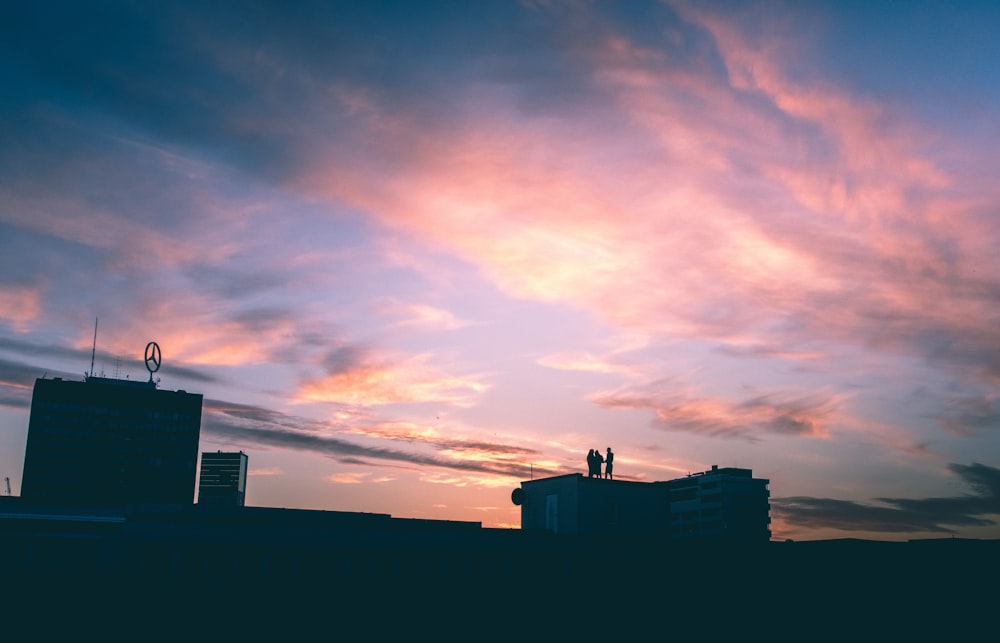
(21, 375)
(358, 376)
(967, 416)
(258, 414)
(270, 471)
(463, 447)
(582, 362)
(258, 425)
(14, 397)
(17, 380)
(422, 317)
(83, 356)
(347, 478)
(720, 200)
(761, 351)
(47, 350)
(21, 305)
(780, 413)
(902, 515)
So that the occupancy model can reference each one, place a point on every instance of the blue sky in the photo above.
(414, 253)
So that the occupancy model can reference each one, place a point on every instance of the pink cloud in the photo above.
(207, 337)
(776, 413)
(747, 209)
(421, 317)
(378, 381)
(21, 305)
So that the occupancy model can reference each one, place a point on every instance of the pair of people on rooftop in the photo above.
(595, 460)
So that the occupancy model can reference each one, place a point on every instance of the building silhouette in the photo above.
(726, 504)
(223, 479)
(105, 442)
(576, 504)
(719, 503)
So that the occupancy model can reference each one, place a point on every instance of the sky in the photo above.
(415, 253)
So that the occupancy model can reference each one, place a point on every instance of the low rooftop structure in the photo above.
(727, 503)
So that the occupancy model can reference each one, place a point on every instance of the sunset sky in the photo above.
(414, 253)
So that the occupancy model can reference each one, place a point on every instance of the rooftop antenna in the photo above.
(93, 350)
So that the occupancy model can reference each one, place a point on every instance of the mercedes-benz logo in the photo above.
(153, 357)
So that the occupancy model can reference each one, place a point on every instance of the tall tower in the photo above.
(108, 442)
(223, 480)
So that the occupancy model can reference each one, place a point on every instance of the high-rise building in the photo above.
(109, 442)
(223, 479)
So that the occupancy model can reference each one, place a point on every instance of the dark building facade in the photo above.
(223, 479)
(106, 442)
(719, 504)
(574, 504)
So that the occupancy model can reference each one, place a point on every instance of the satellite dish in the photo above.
(518, 497)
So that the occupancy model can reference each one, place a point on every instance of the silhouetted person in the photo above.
(591, 463)
(608, 464)
(598, 461)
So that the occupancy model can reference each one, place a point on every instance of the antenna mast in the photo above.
(94, 349)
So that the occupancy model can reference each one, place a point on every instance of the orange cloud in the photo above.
(581, 362)
(382, 382)
(347, 478)
(271, 471)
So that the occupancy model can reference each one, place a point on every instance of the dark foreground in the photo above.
(181, 573)
(829, 590)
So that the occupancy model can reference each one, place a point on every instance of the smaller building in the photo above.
(727, 503)
(223, 479)
(720, 504)
(574, 504)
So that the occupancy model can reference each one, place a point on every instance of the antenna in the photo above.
(93, 350)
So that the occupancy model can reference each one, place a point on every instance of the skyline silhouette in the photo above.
(110, 466)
